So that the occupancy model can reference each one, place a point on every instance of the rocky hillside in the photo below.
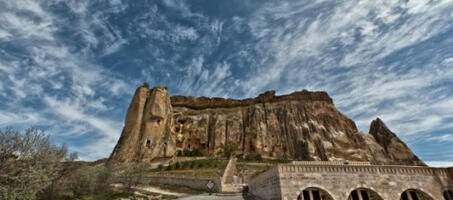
(302, 126)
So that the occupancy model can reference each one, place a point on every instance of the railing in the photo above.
(358, 163)
(374, 169)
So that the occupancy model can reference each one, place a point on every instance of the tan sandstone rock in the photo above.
(301, 126)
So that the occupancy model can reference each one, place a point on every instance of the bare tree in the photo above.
(73, 156)
(133, 175)
(29, 163)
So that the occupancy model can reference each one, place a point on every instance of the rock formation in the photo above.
(301, 126)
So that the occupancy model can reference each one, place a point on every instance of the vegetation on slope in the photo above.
(195, 168)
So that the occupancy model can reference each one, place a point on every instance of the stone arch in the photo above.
(363, 193)
(415, 194)
(448, 194)
(314, 193)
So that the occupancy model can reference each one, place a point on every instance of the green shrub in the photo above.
(82, 182)
(192, 165)
(177, 165)
(185, 165)
(201, 164)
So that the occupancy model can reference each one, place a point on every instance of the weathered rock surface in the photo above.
(302, 126)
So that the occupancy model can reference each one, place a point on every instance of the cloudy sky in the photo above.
(70, 67)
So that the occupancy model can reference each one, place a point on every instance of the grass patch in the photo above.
(258, 159)
(199, 168)
(121, 195)
(204, 172)
(243, 166)
(110, 196)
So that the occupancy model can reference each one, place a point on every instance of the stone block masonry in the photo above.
(190, 182)
(337, 182)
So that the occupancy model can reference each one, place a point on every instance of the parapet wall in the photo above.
(358, 163)
(190, 182)
(364, 169)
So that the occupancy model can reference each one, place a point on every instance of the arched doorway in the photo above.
(448, 195)
(314, 193)
(364, 194)
(413, 194)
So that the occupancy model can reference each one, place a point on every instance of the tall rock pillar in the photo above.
(146, 133)
(156, 139)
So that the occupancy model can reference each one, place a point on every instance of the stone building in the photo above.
(352, 181)
(303, 126)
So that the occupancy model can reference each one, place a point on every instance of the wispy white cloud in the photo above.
(442, 138)
(68, 89)
(74, 112)
(440, 163)
(375, 58)
(317, 52)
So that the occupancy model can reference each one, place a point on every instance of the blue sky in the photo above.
(70, 67)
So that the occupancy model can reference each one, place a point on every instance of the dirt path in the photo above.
(150, 189)
(158, 191)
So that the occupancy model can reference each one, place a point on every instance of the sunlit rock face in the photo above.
(301, 126)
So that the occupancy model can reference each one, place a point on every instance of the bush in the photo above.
(134, 174)
(177, 165)
(185, 165)
(228, 149)
(196, 152)
(160, 167)
(29, 163)
(88, 181)
(201, 165)
(82, 182)
(253, 158)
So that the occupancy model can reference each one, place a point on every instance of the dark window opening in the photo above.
(158, 121)
(148, 143)
(414, 195)
(404, 196)
(188, 146)
(316, 195)
(181, 121)
(364, 195)
(306, 195)
(448, 195)
(355, 195)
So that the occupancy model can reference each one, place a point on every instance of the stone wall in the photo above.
(339, 180)
(338, 162)
(266, 185)
(191, 182)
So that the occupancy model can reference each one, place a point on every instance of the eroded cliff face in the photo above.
(302, 126)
